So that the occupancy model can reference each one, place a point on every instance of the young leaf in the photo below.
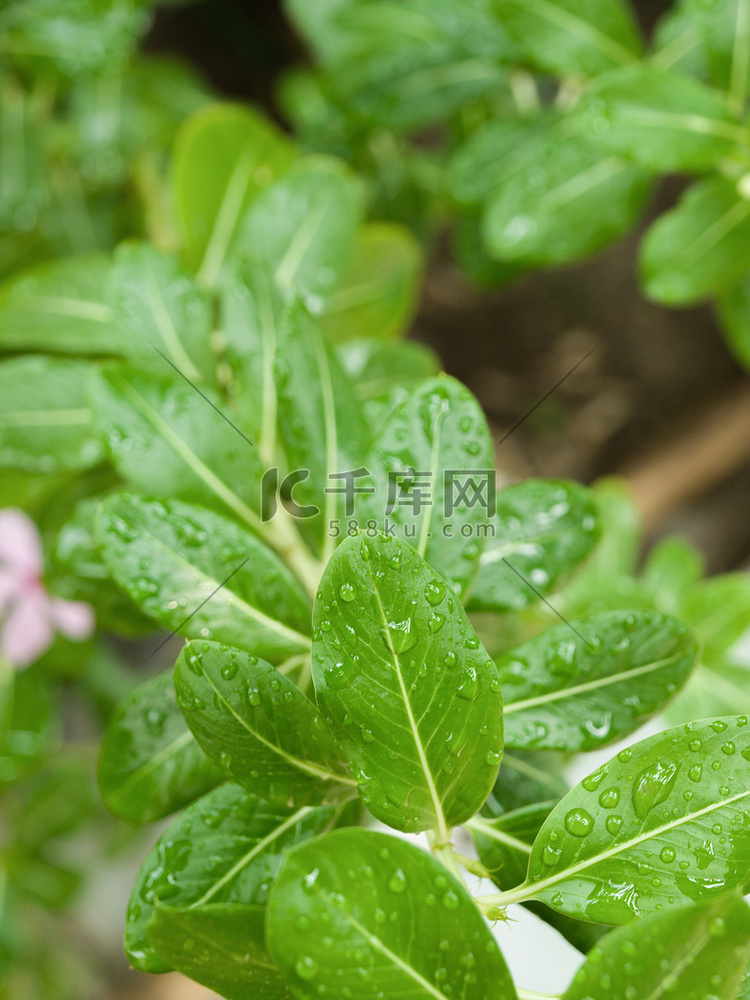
(406, 686)
(46, 423)
(358, 912)
(377, 295)
(224, 848)
(60, 307)
(699, 248)
(496, 152)
(321, 423)
(150, 765)
(582, 687)
(573, 201)
(694, 952)
(257, 726)
(572, 37)
(171, 557)
(220, 945)
(544, 528)
(224, 156)
(303, 228)
(156, 306)
(165, 438)
(433, 467)
(733, 308)
(661, 119)
(663, 822)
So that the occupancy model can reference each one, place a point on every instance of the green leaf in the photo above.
(496, 152)
(60, 307)
(150, 765)
(524, 780)
(257, 726)
(664, 120)
(45, 420)
(699, 248)
(724, 31)
(165, 438)
(662, 823)
(321, 423)
(156, 306)
(219, 945)
(28, 723)
(251, 318)
(579, 687)
(73, 38)
(303, 228)
(377, 295)
(378, 368)
(677, 44)
(718, 609)
(224, 156)
(715, 689)
(358, 900)
(695, 952)
(673, 567)
(504, 845)
(406, 686)
(224, 848)
(171, 557)
(572, 37)
(434, 472)
(544, 528)
(573, 201)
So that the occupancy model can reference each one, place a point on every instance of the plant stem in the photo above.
(531, 995)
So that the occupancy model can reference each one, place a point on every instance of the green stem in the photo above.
(531, 995)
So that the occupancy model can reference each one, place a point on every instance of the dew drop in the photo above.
(397, 881)
(306, 967)
(346, 592)
(579, 822)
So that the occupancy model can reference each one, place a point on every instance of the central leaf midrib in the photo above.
(562, 693)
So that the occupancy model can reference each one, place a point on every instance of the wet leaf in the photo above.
(225, 848)
(580, 686)
(363, 912)
(406, 686)
(150, 765)
(257, 726)
(665, 822)
(544, 528)
(201, 574)
(694, 953)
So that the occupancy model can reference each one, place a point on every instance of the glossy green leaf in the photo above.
(434, 474)
(664, 822)
(525, 779)
(46, 423)
(699, 248)
(150, 765)
(171, 557)
(156, 306)
(303, 228)
(257, 726)
(374, 903)
(694, 952)
(664, 120)
(60, 307)
(573, 200)
(220, 945)
(378, 368)
(504, 845)
(168, 440)
(321, 424)
(572, 37)
(544, 528)
(406, 686)
(377, 295)
(224, 848)
(580, 686)
(224, 156)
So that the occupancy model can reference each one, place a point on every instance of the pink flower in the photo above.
(29, 616)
